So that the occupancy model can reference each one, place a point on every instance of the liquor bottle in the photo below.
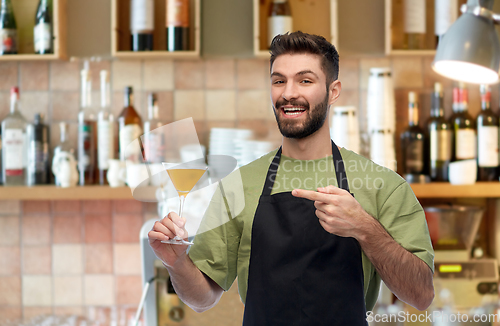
(279, 19)
(8, 29)
(414, 24)
(464, 129)
(43, 28)
(64, 145)
(487, 139)
(129, 130)
(177, 25)
(38, 152)
(445, 14)
(440, 137)
(154, 141)
(141, 24)
(105, 130)
(412, 141)
(14, 144)
(87, 133)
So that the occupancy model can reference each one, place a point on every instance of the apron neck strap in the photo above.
(338, 165)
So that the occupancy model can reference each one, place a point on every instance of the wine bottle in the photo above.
(64, 145)
(38, 152)
(105, 130)
(279, 19)
(14, 144)
(8, 29)
(129, 130)
(464, 129)
(141, 24)
(440, 137)
(487, 139)
(177, 25)
(43, 28)
(87, 133)
(414, 24)
(412, 141)
(445, 14)
(154, 141)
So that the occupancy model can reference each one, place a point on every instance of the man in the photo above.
(315, 235)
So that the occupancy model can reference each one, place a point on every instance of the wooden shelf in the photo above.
(447, 190)
(25, 18)
(315, 17)
(120, 33)
(52, 192)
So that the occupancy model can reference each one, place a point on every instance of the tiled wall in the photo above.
(63, 257)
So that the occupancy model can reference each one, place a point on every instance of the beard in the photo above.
(314, 120)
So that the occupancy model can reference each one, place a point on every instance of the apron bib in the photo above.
(300, 274)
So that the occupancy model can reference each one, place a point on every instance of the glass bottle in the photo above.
(414, 24)
(87, 133)
(141, 25)
(64, 144)
(105, 130)
(412, 141)
(487, 139)
(177, 25)
(154, 141)
(129, 130)
(8, 28)
(440, 137)
(279, 19)
(464, 128)
(38, 152)
(43, 28)
(14, 144)
(445, 14)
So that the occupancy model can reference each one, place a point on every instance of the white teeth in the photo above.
(293, 109)
(293, 113)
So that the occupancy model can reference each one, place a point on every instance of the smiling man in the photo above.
(321, 225)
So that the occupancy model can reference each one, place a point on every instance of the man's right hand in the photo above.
(165, 229)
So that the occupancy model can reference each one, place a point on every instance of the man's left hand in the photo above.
(338, 211)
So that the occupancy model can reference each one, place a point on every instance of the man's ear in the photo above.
(335, 88)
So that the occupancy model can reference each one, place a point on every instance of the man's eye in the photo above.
(278, 82)
(305, 81)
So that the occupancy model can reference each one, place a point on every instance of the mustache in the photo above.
(282, 101)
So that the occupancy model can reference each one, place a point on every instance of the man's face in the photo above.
(299, 94)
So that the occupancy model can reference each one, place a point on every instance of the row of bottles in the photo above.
(142, 25)
(279, 19)
(26, 159)
(43, 39)
(429, 151)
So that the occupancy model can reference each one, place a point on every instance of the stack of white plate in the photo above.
(250, 150)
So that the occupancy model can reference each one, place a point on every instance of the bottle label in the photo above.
(8, 40)
(129, 143)
(154, 146)
(141, 16)
(414, 16)
(487, 150)
(43, 37)
(105, 148)
(415, 156)
(39, 155)
(85, 145)
(278, 25)
(440, 145)
(446, 12)
(13, 151)
(178, 13)
(465, 145)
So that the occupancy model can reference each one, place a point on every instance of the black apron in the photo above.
(300, 274)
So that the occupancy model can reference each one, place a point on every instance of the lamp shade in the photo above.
(469, 51)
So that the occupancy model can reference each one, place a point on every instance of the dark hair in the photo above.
(299, 42)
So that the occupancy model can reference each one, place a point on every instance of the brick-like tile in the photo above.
(407, 72)
(34, 102)
(31, 313)
(8, 71)
(189, 104)
(127, 206)
(11, 314)
(97, 206)
(34, 76)
(99, 258)
(221, 105)
(127, 227)
(10, 290)
(252, 74)
(349, 73)
(189, 74)
(165, 105)
(37, 260)
(36, 207)
(220, 74)
(66, 206)
(65, 106)
(10, 261)
(67, 228)
(36, 230)
(10, 207)
(10, 230)
(158, 75)
(252, 105)
(99, 290)
(127, 259)
(69, 311)
(65, 76)
(67, 259)
(128, 289)
(259, 127)
(98, 228)
(126, 73)
(68, 290)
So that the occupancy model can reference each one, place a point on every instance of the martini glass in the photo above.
(184, 177)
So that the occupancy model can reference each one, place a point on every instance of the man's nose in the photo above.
(290, 92)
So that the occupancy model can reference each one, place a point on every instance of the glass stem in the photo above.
(182, 198)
